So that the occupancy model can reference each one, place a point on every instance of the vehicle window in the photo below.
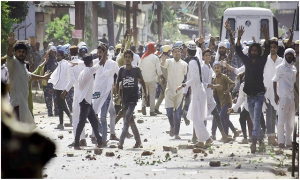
(264, 22)
(232, 25)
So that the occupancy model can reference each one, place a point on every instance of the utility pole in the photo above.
(200, 19)
(135, 33)
(110, 22)
(79, 18)
(127, 14)
(159, 20)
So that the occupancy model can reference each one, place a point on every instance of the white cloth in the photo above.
(60, 77)
(73, 82)
(285, 77)
(104, 80)
(150, 67)
(269, 72)
(199, 54)
(136, 60)
(286, 120)
(176, 73)
(207, 75)
(198, 107)
(242, 99)
(237, 71)
(221, 44)
(86, 83)
(4, 74)
(19, 91)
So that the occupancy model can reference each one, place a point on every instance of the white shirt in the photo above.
(176, 73)
(60, 77)
(86, 83)
(104, 80)
(74, 73)
(237, 71)
(150, 68)
(269, 73)
(136, 60)
(285, 77)
(242, 99)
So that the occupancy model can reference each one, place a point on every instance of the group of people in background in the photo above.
(198, 82)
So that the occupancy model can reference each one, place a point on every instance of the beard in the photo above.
(21, 58)
(222, 53)
(253, 56)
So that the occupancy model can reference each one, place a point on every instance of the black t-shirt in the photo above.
(129, 80)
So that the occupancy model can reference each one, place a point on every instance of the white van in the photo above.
(252, 18)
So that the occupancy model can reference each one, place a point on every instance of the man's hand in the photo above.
(240, 31)
(11, 39)
(178, 88)
(47, 75)
(212, 40)
(226, 92)
(73, 64)
(253, 39)
(230, 110)
(184, 96)
(64, 94)
(292, 31)
(224, 63)
(227, 25)
(264, 30)
(276, 99)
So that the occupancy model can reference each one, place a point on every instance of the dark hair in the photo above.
(133, 48)
(128, 51)
(141, 48)
(205, 51)
(191, 52)
(45, 42)
(273, 41)
(88, 59)
(20, 45)
(100, 46)
(258, 48)
(60, 52)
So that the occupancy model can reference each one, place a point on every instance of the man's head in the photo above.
(37, 46)
(128, 57)
(217, 67)
(176, 51)
(83, 50)
(133, 49)
(52, 50)
(273, 46)
(254, 50)
(118, 49)
(191, 49)
(206, 55)
(184, 50)
(104, 36)
(222, 48)
(166, 50)
(102, 47)
(141, 48)
(20, 51)
(290, 55)
(60, 55)
(88, 60)
(45, 45)
(74, 50)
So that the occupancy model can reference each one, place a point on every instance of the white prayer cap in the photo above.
(222, 44)
(245, 50)
(289, 50)
(192, 46)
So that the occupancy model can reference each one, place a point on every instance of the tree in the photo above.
(11, 12)
(59, 31)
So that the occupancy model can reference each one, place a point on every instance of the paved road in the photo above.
(128, 163)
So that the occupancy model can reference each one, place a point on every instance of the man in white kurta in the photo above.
(18, 78)
(198, 106)
(177, 69)
(283, 82)
(272, 62)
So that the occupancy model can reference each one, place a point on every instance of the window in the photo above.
(232, 25)
(264, 22)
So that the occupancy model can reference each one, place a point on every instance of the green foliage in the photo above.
(11, 12)
(59, 31)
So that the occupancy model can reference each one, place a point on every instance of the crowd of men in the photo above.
(199, 81)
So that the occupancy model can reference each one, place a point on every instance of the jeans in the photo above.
(243, 119)
(62, 106)
(225, 119)
(271, 119)
(103, 115)
(48, 99)
(255, 109)
(216, 122)
(87, 111)
(175, 117)
(129, 121)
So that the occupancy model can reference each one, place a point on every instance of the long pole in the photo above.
(159, 18)
(200, 19)
(127, 14)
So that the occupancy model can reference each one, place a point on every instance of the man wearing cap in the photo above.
(254, 85)
(18, 78)
(117, 51)
(150, 68)
(177, 69)
(283, 82)
(166, 51)
(82, 51)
